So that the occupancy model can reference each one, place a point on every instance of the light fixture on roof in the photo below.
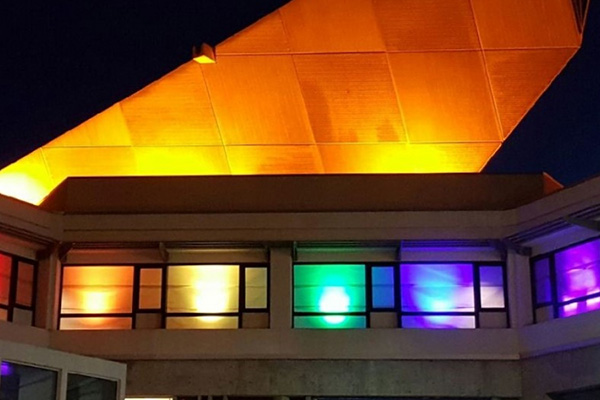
(204, 55)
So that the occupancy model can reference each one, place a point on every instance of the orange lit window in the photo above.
(99, 297)
(17, 289)
(172, 297)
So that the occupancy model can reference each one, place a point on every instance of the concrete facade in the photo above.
(524, 361)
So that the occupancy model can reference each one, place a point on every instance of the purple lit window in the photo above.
(577, 271)
(577, 277)
(439, 322)
(576, 280)
(437, 288)
(543, 287)
(491, 281)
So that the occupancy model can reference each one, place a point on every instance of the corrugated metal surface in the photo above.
(336, 86)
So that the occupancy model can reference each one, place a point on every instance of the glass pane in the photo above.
(25, 284)
(437, 287)
(97, 290)
(493, 320)
(382, 280)
(439, 322)
(578, 275)
(150, 288)
(148, 321)
(5, 271)
(491, 280)
(256, 288)
(543, 288)
(203, 289)
(80, 387)
(580, 307)
(329, 288)
(255, 320)
(94, 323)
(202, 322)
(20, 382)
(330, 322)
(22, 317)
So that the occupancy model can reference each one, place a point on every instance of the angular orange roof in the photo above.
(336, 86)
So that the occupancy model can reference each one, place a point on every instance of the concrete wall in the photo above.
(565, 370)
(325, 378)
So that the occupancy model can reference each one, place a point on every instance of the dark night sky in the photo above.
(65, 61)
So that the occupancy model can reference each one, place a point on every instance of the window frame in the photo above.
(554, 302)
(13, 283)
(162, 311)
(397, 309)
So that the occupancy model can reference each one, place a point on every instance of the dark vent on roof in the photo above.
(580, 7)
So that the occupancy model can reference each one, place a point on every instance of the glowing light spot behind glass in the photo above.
(437, 288)
(329, 289)
(578, 275)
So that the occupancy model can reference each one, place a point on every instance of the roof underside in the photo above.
(329, 87)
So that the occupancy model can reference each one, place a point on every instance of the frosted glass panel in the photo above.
(25, 284)
(330, 322)
(543, 287)
(578, 275)
(491, 279)
(439, 322)
(203, 289)
(256, 288)
(215, 322)
(95, 323)
(150, 288)
(580, 307)
(5, 273)
(329, 288)
(382, 279)
(97, 290)
(437, 287)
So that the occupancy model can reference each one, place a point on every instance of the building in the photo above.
(207, 233)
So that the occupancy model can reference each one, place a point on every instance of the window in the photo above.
(566, 282)
(81, 387)
(17, 289)
(408, 295)
(22, 382)
(159, 296)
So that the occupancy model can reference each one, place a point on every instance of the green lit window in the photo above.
(330, 296)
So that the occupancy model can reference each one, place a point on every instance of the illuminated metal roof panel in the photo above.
(350, 98)
(174, 111)
(445, 96)
(317, 26)
(257, 100)
(336, 86)
(519, 77)
(424, 25)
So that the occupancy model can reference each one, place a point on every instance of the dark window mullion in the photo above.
(553, 285)
(12, 291)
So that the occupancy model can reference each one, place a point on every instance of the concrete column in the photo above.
(281, 288)
(519, 290)
(48, 291)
